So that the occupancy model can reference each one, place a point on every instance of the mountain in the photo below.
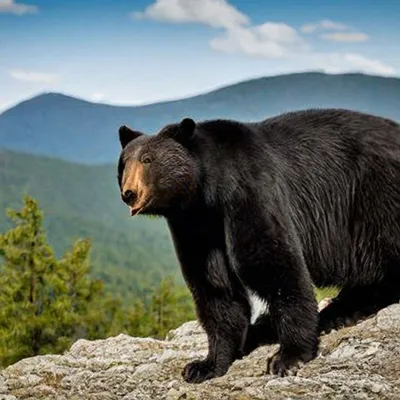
(64, 127)
(130, 254)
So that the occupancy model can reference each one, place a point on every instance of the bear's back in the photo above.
(307, 143)
(332, 127)
(313, 129)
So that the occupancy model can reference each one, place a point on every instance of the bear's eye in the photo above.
(146, 160)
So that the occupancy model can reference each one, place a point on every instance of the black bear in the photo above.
(269, 209)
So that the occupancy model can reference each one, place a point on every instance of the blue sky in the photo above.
(141, 51)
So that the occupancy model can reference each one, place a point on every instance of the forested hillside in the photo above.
(130, 254)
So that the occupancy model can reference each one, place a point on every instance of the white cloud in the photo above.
(345, 37)
(328, 25)
(215, 13)
(97, 96)
(10, 6)
(270, 40)
(336, 63)
(273, 40)
(31, 76)
(325, 24)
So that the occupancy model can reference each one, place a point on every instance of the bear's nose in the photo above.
(128, 196)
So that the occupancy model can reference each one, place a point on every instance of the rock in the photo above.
(389, 319)
(359, 362)
(324, 303)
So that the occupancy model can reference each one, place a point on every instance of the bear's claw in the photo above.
(198, 371)
(282, 365)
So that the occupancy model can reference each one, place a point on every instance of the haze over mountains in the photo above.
(67, 138)
(75, 130)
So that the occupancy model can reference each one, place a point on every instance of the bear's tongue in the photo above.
(135, 210)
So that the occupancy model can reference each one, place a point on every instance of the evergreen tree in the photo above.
(170, 307)
(45, 303)
(28, 263)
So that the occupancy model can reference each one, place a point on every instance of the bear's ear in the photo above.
(185, 131)
(126, 135)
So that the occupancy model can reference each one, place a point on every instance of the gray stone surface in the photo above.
(355, 363)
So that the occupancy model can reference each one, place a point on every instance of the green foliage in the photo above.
(165, 302)
(47, 303)
(167, 307)
(322, 293)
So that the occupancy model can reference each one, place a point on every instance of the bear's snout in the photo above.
(128, 197)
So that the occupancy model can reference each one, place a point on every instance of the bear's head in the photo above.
(157, 173)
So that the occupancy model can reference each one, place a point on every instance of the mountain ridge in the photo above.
(77, 130)
(234, 84)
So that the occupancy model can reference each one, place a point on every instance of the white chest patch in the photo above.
(257, 304)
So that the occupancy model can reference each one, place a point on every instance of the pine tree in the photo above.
(28, 262)
(45, 303)
(170, 307)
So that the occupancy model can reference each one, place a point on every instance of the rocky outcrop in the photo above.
(357, 363)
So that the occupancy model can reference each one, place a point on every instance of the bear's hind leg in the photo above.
(350, 305)
(354, 303)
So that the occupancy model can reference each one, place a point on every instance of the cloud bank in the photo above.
(270, 40)
(33, 77)
(11, 7)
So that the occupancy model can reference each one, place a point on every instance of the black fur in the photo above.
(306, 197)
(126, 135)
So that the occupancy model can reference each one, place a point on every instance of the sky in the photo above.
(143, 51)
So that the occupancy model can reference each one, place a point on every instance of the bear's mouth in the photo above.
(137, 209)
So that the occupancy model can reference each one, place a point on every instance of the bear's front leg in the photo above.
(221, 300)
(225, 321)
(270, 263)
(293, 310)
